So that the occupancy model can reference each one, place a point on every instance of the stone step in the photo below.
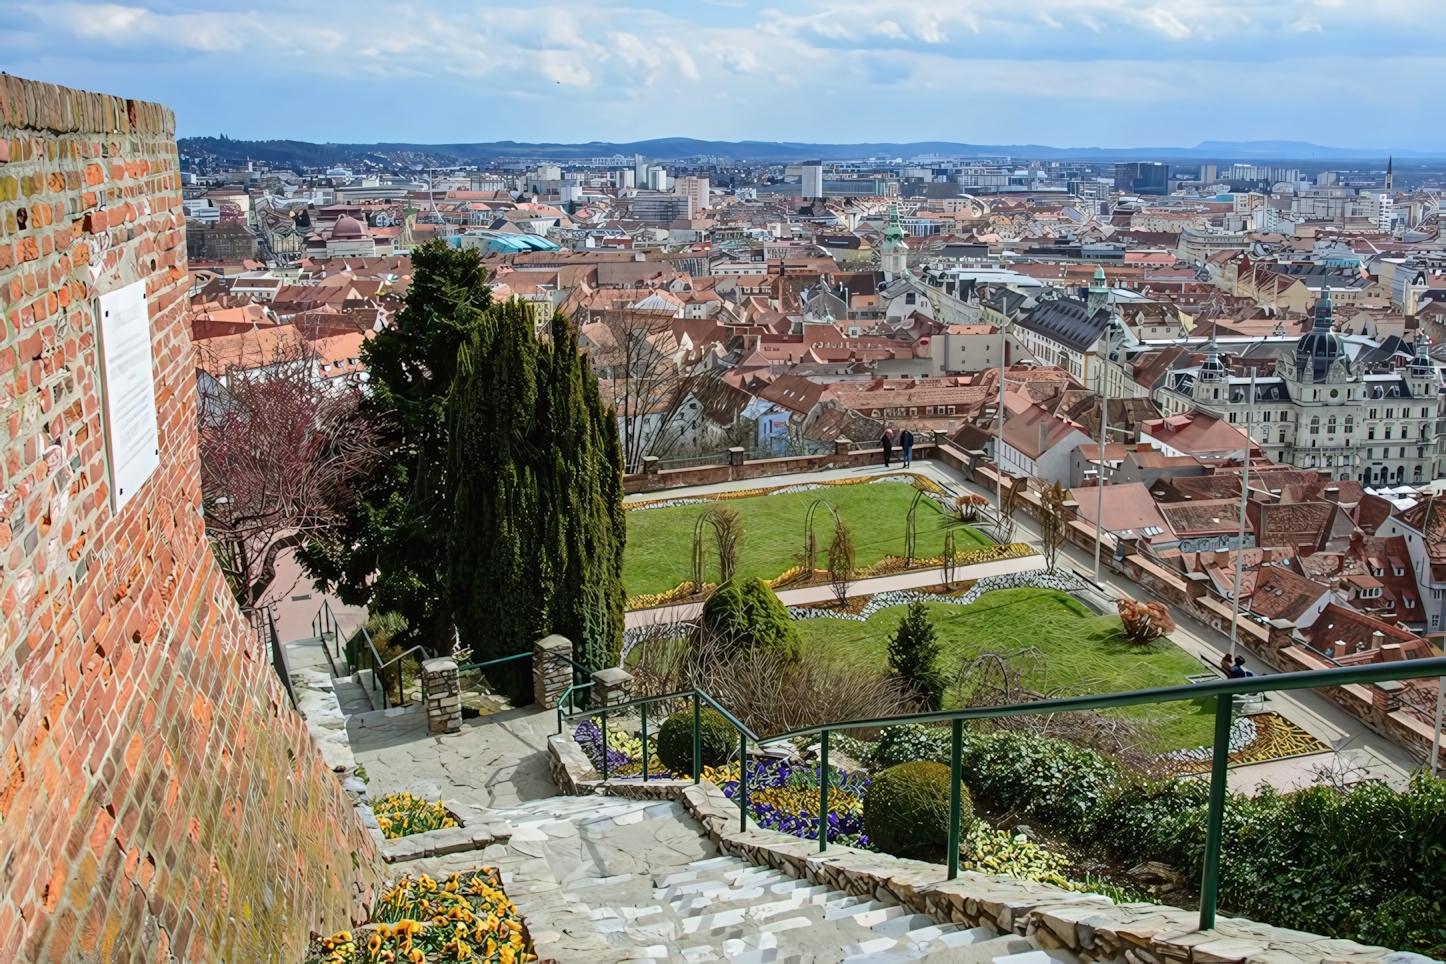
(606, 879)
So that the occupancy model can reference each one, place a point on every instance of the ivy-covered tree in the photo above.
(390, 550)
(535, 543)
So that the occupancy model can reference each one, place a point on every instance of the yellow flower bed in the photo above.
(401, 814)
(467, 917)
(918, 481)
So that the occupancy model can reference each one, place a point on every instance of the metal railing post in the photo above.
(697, 740)
(1215, 818)
(823, 794)
(605, 746)
(643, 714)
(956, 776)
(742, 781)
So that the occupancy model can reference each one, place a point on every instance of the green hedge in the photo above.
(751, 614)
(1368, 864)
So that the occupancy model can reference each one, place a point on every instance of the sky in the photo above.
(1067, 73)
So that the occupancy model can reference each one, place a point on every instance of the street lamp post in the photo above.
(1244, 498)
(1104, 432)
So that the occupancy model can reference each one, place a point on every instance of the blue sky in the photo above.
(1111, 73)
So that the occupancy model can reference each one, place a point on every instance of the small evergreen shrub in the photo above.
(749, 613)
(906, 810)
(675, 740)
(914, 654)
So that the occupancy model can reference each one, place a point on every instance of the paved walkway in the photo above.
(603, 879)
(912, 579)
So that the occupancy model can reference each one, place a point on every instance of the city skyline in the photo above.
(1088, 73)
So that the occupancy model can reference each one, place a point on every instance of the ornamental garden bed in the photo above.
(467, 916)
(658, 557)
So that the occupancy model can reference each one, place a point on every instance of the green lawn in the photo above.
(660, 541)
(1078, 653)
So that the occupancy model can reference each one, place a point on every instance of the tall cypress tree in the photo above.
(536, 540)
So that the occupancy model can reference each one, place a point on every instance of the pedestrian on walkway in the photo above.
(906, 442)
(888, 443)
(1226, 664)
(1238, 671)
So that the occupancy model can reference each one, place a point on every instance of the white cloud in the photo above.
(1042, 71)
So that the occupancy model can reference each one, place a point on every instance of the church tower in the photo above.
(1099, 294)
(1390, 177)
(895, 256)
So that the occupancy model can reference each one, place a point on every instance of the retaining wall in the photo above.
(158, 794)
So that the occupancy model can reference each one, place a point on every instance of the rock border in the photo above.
(477, 828)
(1091, 926)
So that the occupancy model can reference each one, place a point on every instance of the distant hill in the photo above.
(669, 148)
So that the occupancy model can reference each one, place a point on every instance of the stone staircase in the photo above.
(607, 879)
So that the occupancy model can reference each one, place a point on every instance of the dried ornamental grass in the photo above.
(467, 917)
(401, 815)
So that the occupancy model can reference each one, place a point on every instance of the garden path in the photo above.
(913, 579)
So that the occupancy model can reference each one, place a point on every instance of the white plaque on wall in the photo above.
(132, 437)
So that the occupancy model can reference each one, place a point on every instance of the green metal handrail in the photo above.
(465, 667)
(1221, 689)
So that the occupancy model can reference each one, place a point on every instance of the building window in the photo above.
(1410, 603)
(1388, 432)
(1438, 594)
(1425, 412)
(1372, 414)
(1370, 454)
(1331, 425)
(1350, 424)
(1232, 417)
(1265, 416)
(1282, 436)
(1315, 425)
(1435, 622)
(1390, 413)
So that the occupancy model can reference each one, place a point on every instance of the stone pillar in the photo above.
(842, 447)
(650, 465)
(551, 675)
(735, 455)
(441, 694)
(611, 687)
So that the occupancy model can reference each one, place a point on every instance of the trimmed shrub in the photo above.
(675, 740)
(906, 810)
(750, 614)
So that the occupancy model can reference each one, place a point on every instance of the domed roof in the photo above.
(1320, 347)
(348, 229)
(1212, 368)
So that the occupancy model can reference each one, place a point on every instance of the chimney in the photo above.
(1391, 653)
(1333, 493)
(1043, 434)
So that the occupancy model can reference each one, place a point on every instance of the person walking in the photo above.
(906, 442)
(888, 443)
(1238, 671)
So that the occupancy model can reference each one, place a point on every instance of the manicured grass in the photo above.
(1078, 653)
(659, 552)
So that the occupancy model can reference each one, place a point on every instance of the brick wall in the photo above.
(157, 792)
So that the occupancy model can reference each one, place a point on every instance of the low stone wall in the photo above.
(1088, 925)
(652, 479)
